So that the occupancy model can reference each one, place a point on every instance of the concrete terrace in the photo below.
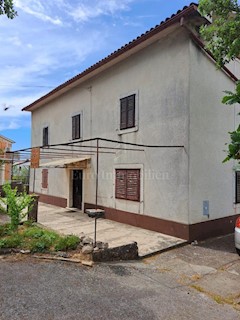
(67, 221)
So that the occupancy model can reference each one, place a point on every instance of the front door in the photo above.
(77, 189)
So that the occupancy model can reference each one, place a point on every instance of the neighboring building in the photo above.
(5, 163)
(162, 89)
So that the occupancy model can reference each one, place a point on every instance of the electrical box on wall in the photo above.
(206, 208)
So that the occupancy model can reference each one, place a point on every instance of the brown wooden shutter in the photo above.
(120, 184)
(45, 136)
(123, 115)
(73, 128)
(237, 186)
(44, 178)
(133, 185)
(76, 123)
(78, 126)
(131, 112)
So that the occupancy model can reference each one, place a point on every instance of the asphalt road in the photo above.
(152, 289)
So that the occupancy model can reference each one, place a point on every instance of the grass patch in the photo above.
(13, 241)
(67, 243)
(33, 238)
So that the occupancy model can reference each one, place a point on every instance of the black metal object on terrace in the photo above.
(95, 214)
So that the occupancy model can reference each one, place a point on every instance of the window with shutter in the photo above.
(127, 112)
(127, 185)
(237, 186)
(44, 178)
(76, 127)
(45, 136)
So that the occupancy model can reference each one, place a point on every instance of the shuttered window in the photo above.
(45, 136)
(127, 112)
(76, 127)
(44, 178)
(237, 186)
(127, 184)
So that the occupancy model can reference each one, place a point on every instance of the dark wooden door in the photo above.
(77, 189)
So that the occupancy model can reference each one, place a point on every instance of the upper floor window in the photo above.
(45, 136)
(76, 127)
(127, 112)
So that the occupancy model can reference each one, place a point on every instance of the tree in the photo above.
(222, 36)
(7, 8)
(14, 204)
(234, 146)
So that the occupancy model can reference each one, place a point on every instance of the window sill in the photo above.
(76, 140)
(125, 131)
(135, 201)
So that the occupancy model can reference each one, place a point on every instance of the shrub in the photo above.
(14, 204)
(39, 245)
(33, 232)
(14, 241)
(67, 243)
(5, 230)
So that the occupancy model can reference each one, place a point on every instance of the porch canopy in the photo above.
(73, 163)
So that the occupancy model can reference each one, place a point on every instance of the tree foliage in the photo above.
(222, 35)
(234, 146)
(16, 205)
(7, 8)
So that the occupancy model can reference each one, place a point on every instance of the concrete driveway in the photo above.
(191, 282)
(68, 221)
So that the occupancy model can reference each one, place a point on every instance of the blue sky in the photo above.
(51, 41)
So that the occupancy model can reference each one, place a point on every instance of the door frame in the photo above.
(70, 188)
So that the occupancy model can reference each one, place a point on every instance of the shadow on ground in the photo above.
(225, 244)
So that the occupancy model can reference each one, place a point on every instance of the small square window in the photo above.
(76, 127)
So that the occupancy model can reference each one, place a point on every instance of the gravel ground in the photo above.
(36, 289)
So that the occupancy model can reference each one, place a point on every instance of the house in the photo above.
(5, 163)
(141, 134)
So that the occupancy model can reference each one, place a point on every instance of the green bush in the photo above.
(35, 239)
(39, 245)
(5, 230)
(33, 232)
(13, 241)
(14, 205)
(67, 243)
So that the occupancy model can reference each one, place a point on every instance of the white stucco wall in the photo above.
(210, 122)
(159, 75)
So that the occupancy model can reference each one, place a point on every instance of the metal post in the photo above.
(95, 233)
(12, 162)
(34, 178)
(97, 169)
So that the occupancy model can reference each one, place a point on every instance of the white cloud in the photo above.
(37, 9)
(35, 54)
(85, 10)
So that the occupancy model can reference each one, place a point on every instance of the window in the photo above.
(76, 127)
(127, 184)
(45, 136)
(127, 112)
(237, 186)
(45, 178)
